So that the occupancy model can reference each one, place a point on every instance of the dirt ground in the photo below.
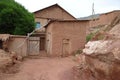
(44, 69)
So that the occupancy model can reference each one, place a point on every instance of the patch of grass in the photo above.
(89, 37)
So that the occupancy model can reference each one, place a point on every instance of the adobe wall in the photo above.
(74, 31)
(54, 12)
(105, 19)
(49, 38)
(15, 42)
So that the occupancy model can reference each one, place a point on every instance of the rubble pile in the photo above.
(5, 59)
(8, 60)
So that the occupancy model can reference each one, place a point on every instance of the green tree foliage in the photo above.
(15, 19)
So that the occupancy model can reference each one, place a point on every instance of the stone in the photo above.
(103, 59)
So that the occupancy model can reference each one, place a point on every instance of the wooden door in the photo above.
(66, 47)
(42, 43)
(1, 44)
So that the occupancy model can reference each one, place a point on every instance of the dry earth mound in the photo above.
(101, 58)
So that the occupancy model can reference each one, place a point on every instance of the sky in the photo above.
(78, 8)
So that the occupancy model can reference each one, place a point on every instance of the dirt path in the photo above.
(45, 69)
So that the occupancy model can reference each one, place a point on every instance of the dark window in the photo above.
(38, 25)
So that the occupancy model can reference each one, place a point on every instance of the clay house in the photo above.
(64, 37)
(99, 20)
(54, 12)
(57, 33)
(60, 32)
(105, 18)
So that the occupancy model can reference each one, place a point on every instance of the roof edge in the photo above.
(111, 12)
(66, 21)
(55, 5)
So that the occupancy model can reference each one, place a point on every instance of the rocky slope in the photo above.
(101, 58)
(115, 31)
(100, 61)
(106, 31)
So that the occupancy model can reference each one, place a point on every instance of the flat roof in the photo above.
(65, 21)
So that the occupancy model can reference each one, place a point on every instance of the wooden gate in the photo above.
(34, 45)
